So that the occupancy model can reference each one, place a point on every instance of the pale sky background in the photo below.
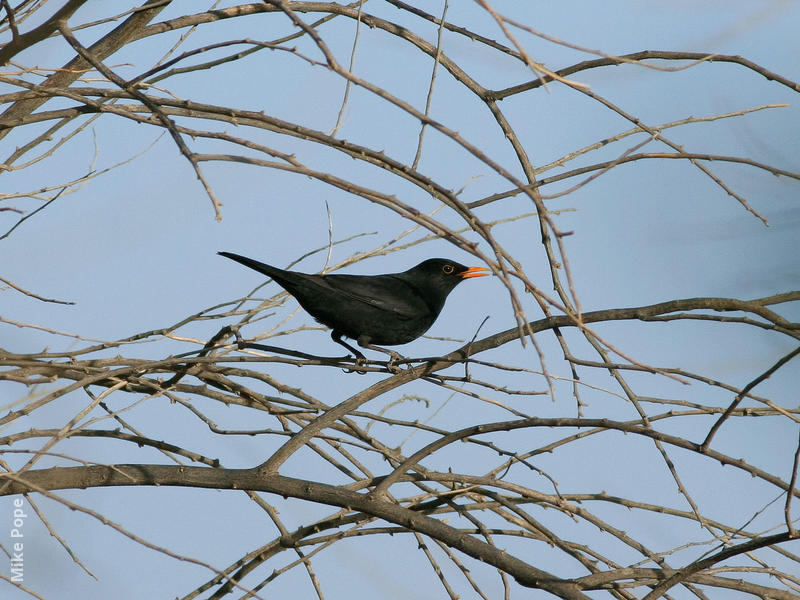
(135, 249)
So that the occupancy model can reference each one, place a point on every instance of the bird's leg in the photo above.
(337, 337)
(363, 341)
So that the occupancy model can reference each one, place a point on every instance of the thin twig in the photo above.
(32, 295)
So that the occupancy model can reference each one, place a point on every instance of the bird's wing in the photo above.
(384, 292)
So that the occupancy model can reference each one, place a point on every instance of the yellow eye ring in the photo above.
(448, 269)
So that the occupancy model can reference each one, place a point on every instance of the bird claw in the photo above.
(392, 365)
(361, 360)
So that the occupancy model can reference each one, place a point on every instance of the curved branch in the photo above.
(254, 479)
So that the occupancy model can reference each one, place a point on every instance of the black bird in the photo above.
(372, 309)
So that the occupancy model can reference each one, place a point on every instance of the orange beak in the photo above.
(474, 272)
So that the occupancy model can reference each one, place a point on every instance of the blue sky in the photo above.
(135, 249)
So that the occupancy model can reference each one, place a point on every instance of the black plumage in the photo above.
(389, 309)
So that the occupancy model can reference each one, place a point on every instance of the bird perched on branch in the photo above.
(389, 309)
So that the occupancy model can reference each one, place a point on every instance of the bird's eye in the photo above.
(448, 269)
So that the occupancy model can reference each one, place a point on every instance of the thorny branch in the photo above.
(475, 486)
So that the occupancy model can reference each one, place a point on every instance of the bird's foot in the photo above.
(392, 365)
(361, 360)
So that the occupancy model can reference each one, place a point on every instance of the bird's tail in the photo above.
(264, 268)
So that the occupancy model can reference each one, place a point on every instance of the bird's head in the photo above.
(440, 275)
